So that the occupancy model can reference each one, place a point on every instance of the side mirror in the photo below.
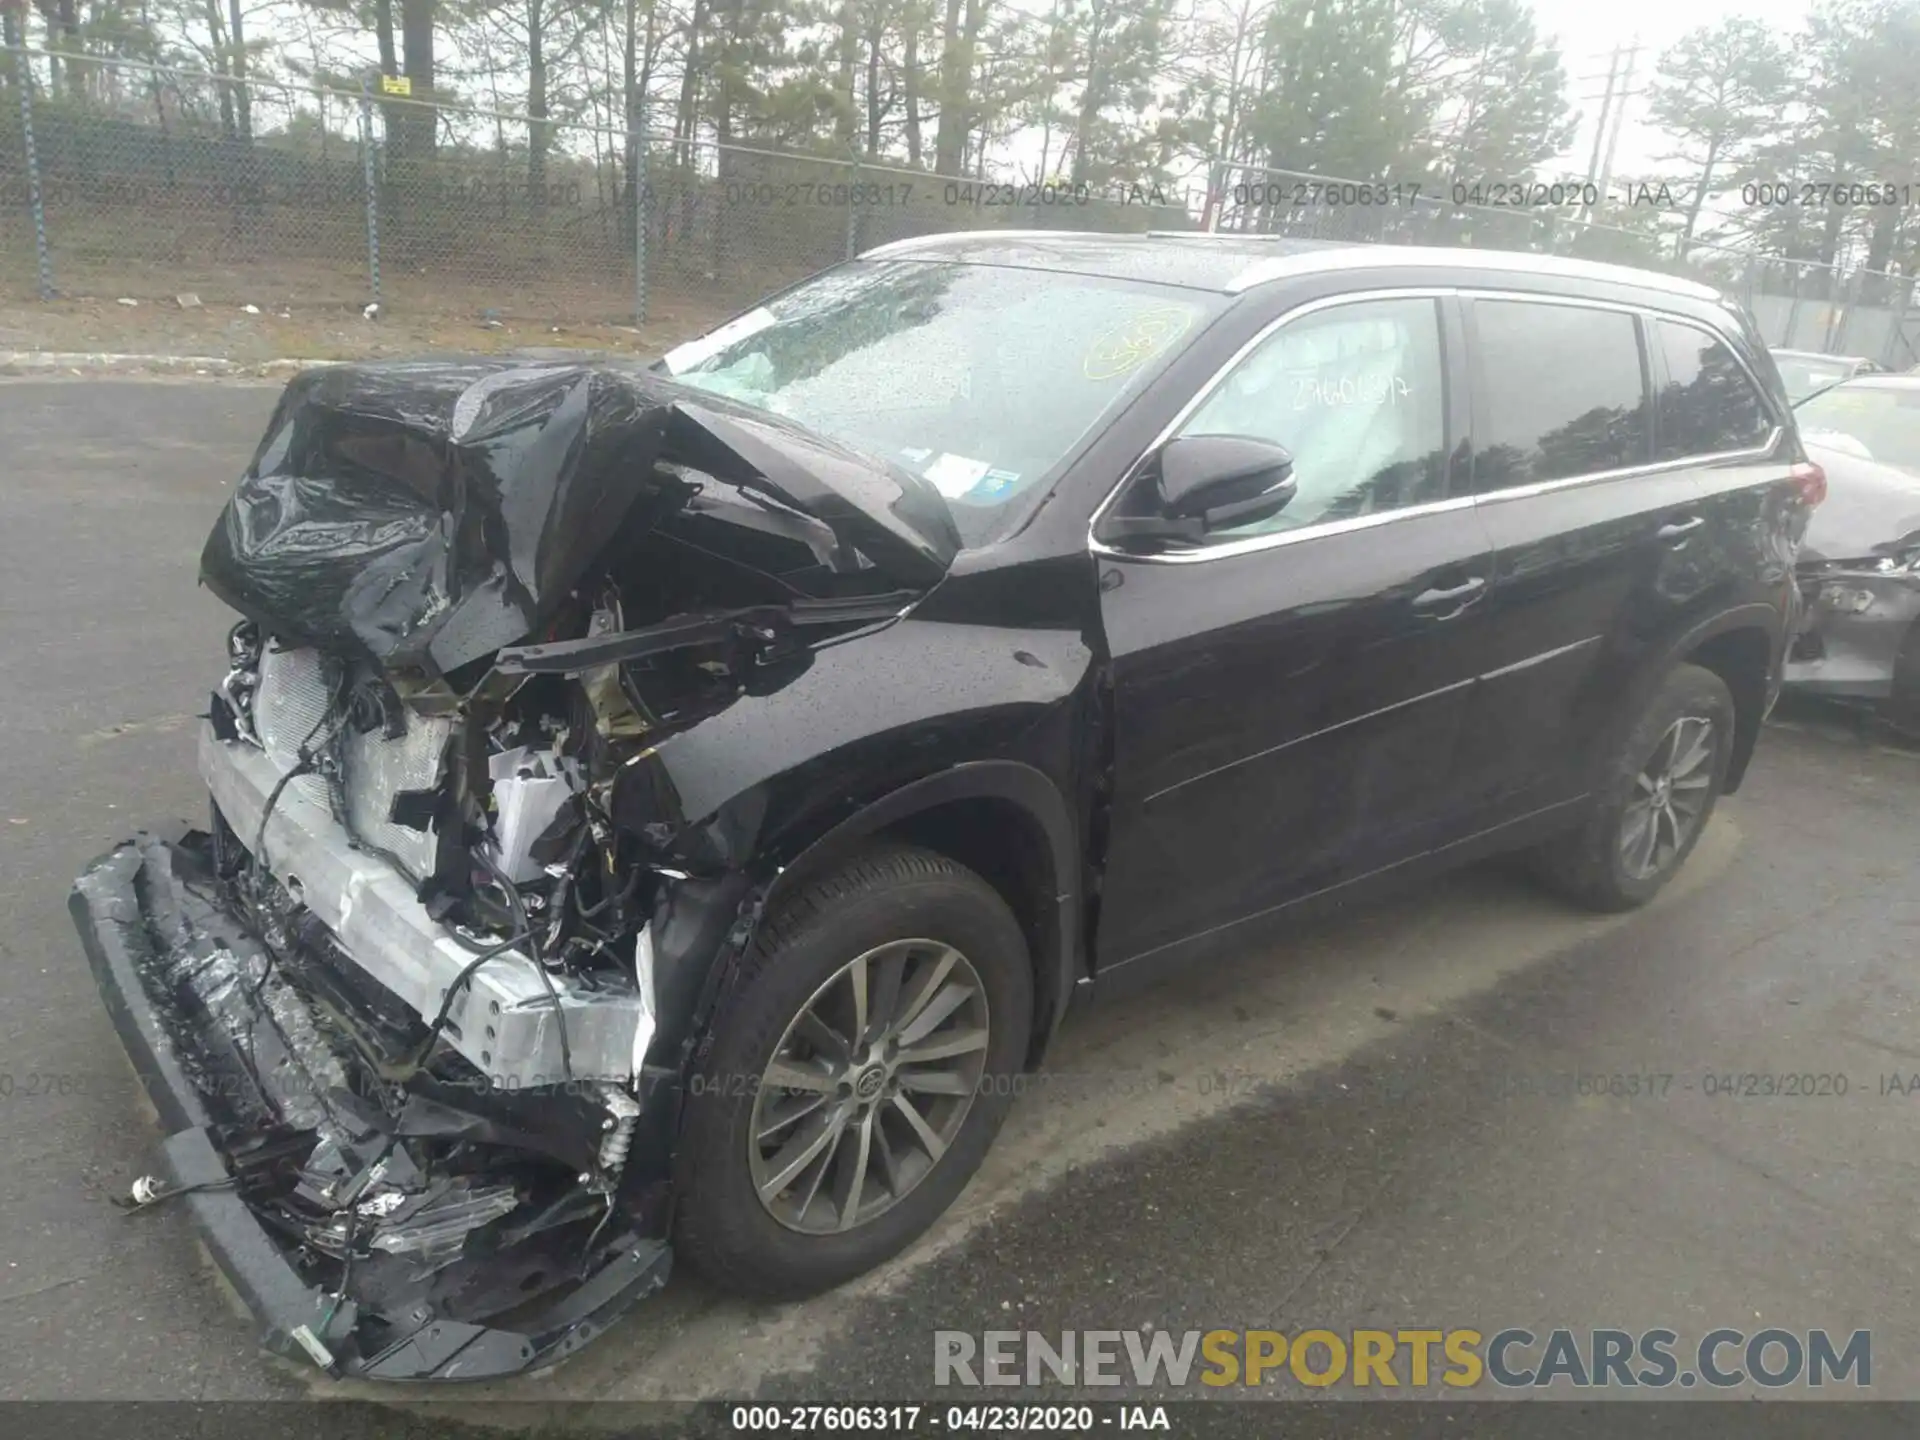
(1198, 483)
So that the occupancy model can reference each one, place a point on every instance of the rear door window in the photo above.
(1561, 391)
(1709, 405)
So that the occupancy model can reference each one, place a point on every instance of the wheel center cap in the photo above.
(1663, 790)
(869, 1082)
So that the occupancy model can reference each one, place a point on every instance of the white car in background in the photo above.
(1807, 372)
(1860, 561)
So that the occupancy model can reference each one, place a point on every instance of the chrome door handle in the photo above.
(1679, 529)
(1459, 594)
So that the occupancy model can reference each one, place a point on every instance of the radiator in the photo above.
(290, 710)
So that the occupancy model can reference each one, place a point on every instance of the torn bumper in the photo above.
(1850, 637)
(152, 900)
(502, 1019)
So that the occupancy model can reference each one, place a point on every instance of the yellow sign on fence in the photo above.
(397, 84)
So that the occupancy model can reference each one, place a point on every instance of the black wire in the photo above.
(586, 1252)
(519, 908)
(346, 1241)
(459, 982)
(130, 1206)
(302, 765)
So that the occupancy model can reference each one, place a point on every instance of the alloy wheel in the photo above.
(1670, 795)
(868, 1086)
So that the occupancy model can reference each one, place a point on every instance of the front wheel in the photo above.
(856, 1077)
(1903, 705)
(1657, 794)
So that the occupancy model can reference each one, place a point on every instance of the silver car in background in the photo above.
(1807, 372)
(1860, 561)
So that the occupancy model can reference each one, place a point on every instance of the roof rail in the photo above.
(1360, 256)
(916, 242)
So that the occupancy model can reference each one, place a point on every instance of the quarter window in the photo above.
(1708, 404)
(1562, 392)
(1355, 393)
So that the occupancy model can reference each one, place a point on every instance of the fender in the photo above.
(1060, 962)
(1754, 615)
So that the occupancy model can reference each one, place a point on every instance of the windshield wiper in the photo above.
(1821, 390)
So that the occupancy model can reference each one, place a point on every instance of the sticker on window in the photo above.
(1374, 389)
(1134, 340)
(994, 484)
(683, 358)
(954, 475)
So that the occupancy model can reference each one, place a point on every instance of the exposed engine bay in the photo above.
(408, 972)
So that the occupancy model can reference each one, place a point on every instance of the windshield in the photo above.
(1805, 374)
(1873, 422)
(981, 379)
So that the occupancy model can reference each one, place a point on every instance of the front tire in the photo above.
(1656, 796)
(1903, 706)
(856, 1076)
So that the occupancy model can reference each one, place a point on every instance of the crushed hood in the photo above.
(1868, 507)
(429, 513)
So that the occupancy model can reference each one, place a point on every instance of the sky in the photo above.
(1588, 30)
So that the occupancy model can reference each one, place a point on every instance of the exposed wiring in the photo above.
(346, 1241)
(586, 1254)
(459, 983)
(520, 920)
(306, 755)
(145, 1193)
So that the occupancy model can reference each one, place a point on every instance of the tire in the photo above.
(798, 966)
(1903, 706)
(1592, 865)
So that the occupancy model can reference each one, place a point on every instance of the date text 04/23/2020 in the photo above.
(949, 1419)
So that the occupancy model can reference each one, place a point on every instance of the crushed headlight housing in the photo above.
(1846, 599)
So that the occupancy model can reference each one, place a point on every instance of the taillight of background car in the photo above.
(1811, 481)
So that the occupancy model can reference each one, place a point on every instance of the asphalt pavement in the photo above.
(1374, 1124)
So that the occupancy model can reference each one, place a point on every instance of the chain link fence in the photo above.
(126, 180)
(119, 179)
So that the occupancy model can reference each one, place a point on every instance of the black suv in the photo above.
(664, 809)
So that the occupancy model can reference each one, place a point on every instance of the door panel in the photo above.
(1714, 414)
(1284, 720)
(1586, 583)
(1607, 540)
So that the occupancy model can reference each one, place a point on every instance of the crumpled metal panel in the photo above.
(290, 710)
(423, 514)
(230, 1049)
(503, 1020)
(377, 769)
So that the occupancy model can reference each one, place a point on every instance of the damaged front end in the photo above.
(398, 1004)
(1860, 618)
(1859, 577)
(425, 1228)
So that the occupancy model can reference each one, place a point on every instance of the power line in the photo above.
(1619, 114)
(1613, 108)
(1606, 109)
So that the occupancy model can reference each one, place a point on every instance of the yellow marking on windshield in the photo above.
(1133, 340)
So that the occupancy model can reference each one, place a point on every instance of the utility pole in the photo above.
(1606, 114)
(1626, 93)
(1606, 130)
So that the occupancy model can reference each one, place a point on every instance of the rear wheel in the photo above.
(857, 1075)
(1903, 706)
(1656, 796)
